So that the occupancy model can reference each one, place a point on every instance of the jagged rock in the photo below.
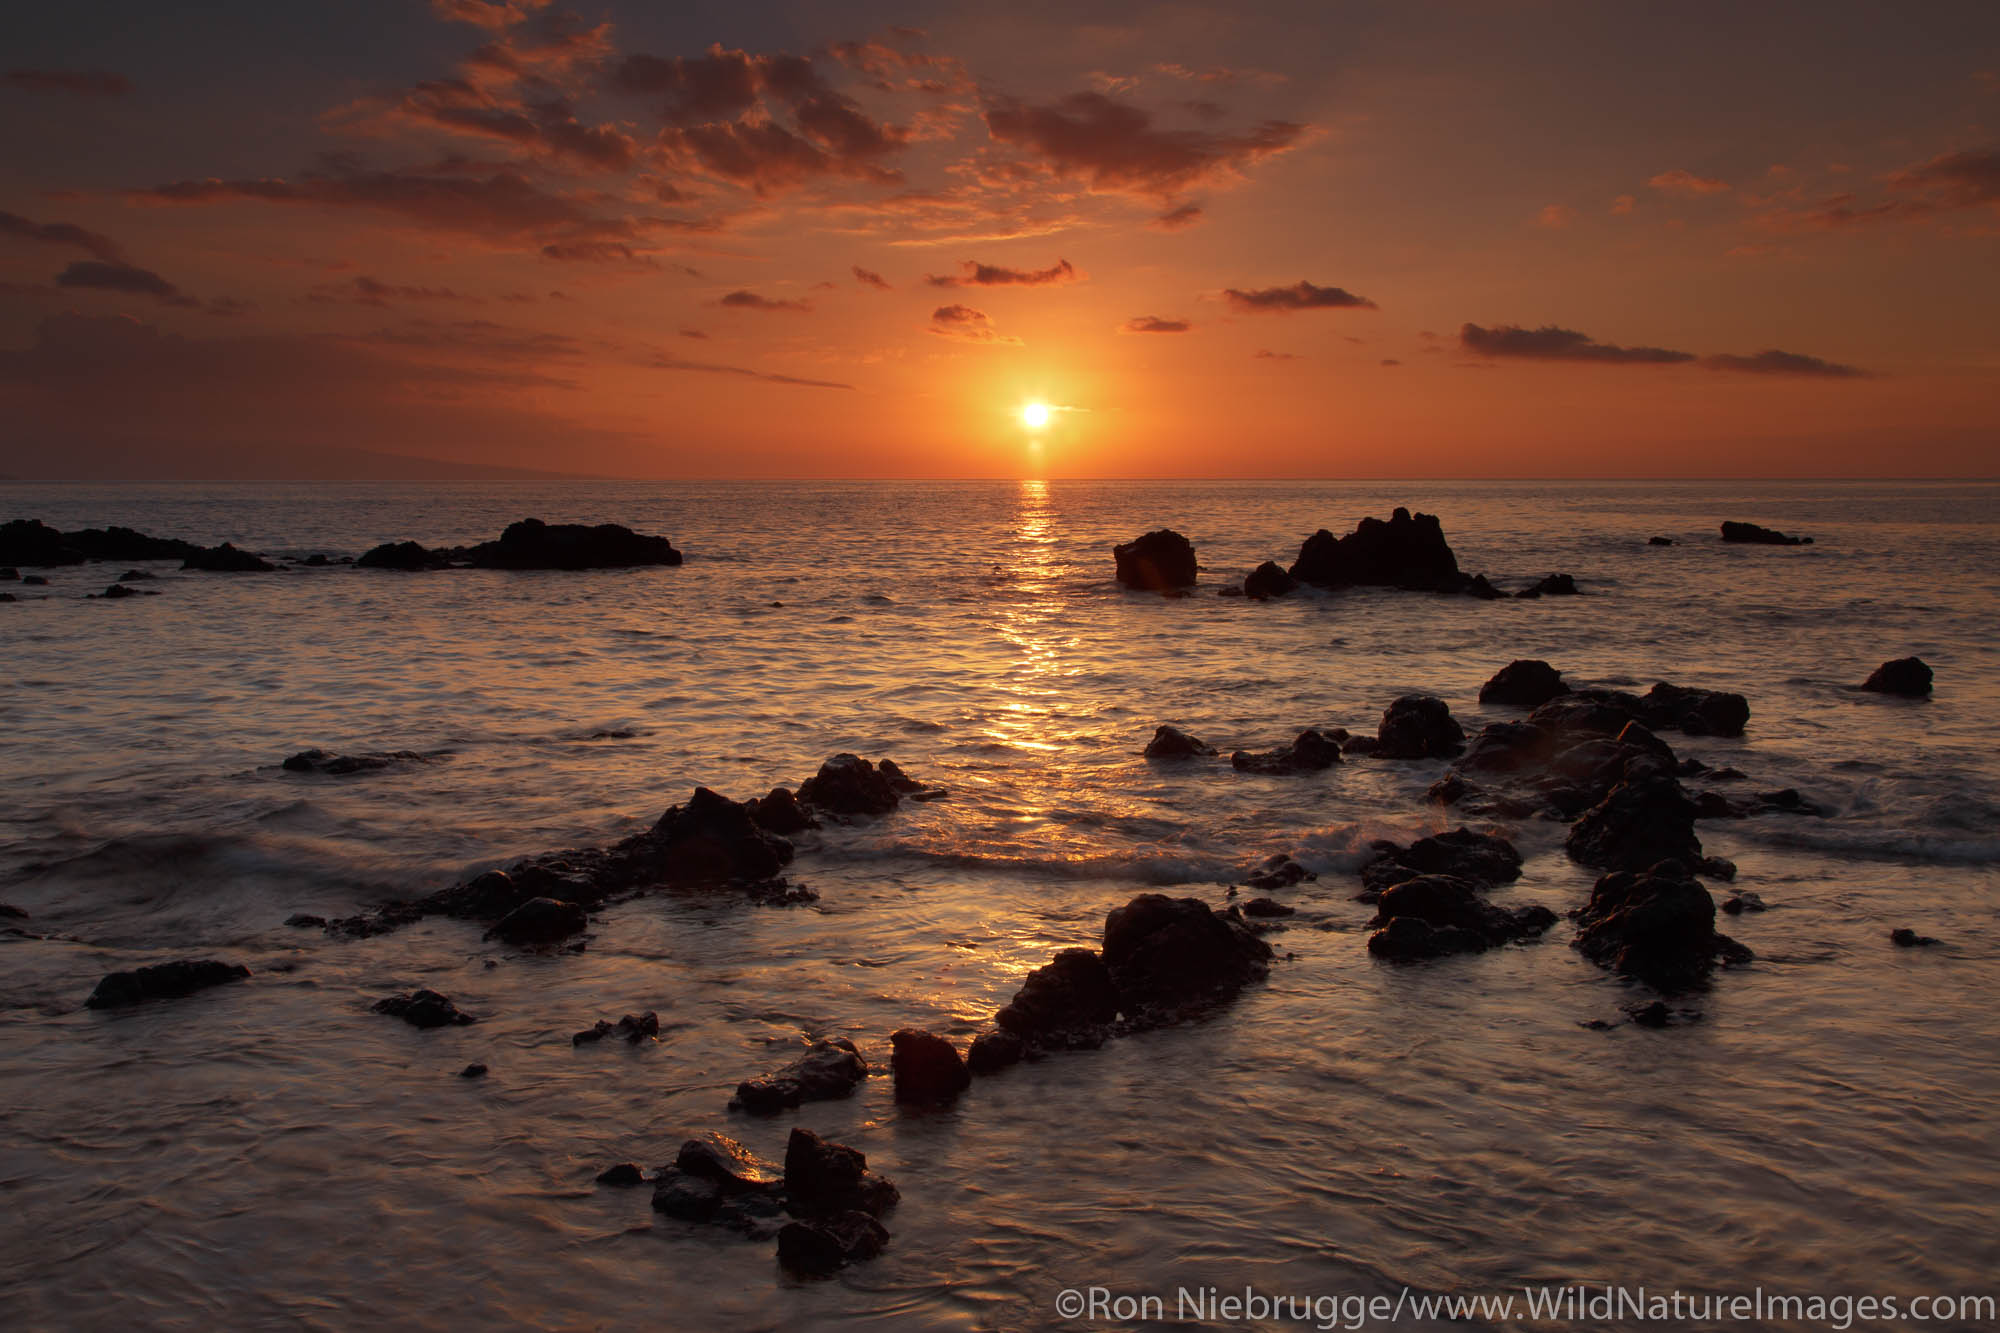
(926, 1067)
(474, 1070)
(1716, 867)
(407, 556)
(1069, 1002)
(1641, 822)
(1905, 938)
(533, 544)
(1173, 743)
(820, 1247)
(1657, 925)
(623, 1175)
(1311, 752)
(305, 921)
(634, 1028)
(1907, 676)
(1278, 871)
(1266, 908)
(830, 1068)
(424, 1009)
(1659, 541)
(993, 1051)
(1268, 580)
(1477, 586)
(1418, 726)
(118, 591)
(779, 811)
(1409, 939)
(1484, 858)
(226, 559)
(162, 981)
(541, 921)
(1744, 901)
(341, 765)
(1459, 918)
(31, 542)
(1589, 713)
(824, 1179)
(1754, 535)
(847, 784)
(1507, 747)
(1160, 561)
(1525, 682)
(1405, 552)
(1173, 956)
(1696, 712)
(1550, 585)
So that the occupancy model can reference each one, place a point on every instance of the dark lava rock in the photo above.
(1507, 747)
(1550, 585)
(1477, 586)
(1483, 858)
(1716, 867)
(1696, 712)
(991, 1052)
(713, 838)
(1069, 1002)
(820, 1247)
(847, 784)
(1908, 676)
(830, 1068)
(473, 1071)
(719, 1158)
(1659, 541)
(1170, 957)
(1641, 822)
(1268, 580)
(341, 765)
(1267, 907)
(226, 559)
(424, 1009)
(780, 812)
(118, 591)
(1756, 536)
(1278, 871)
(634, 1028)
(1744, 901)
(1525, 682)
(1160, 561)
(163, 981)
(1404, 552)
(1459, 918)
(1589, 713)
(136, 576)
(408, 556)
(622, 1175)
(541, 921)
(533, 544)
(1311, 752)
(1173, 743)
(822, 1179)
(1905, 938)
(927, 1068)
(29, 541)
(1410, 939)
(1657, 925)
(687, 1198)
(1418, 726)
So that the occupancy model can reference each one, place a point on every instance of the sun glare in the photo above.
(1035, 415)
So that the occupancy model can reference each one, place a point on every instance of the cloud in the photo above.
(104, 276)
(1301, 295)
(363, 290)
(1219, 74)
(749, 300)
(1390, 361)
(1550, 343)
(1678, 181)
(1623, 204)
(1116, 148)
(60, 233)
(1266, 354)
(1771, 361)
(82, 82)
(1967, 179)
(1174, 219)
(1556, 216)
(675, 363)
(597, 252)
(992, 275)
(1154, 324)
(965, 323)
(870, 278)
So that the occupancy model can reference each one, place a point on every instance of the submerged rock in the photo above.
(1418, 726)
(829, 1069)
(341, 765)
(540, 921)
(1905, 938)
(1659, 541)
(533, 544)
(1069, 1002)
(1173, 743)
(623, 1175)
(1451, 916)
(1696, 712)
(1310, 752)
(162, 981)
(824, 1245)
(1550, 585)
(1657, 925)
(407, 556)
(1278, 871)
(1405, 552)
(995, 1050)
(1752, 534)
(847, 784)
(1268, 580)
(1525, 682)
(1160, 561)
(1907, 676)
(226, 559)
(926, 1067)
(634, 1028)
(1483, 858)
(424, 1009)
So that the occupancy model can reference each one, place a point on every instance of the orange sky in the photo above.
(1477, 239)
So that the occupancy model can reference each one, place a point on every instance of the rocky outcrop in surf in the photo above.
(1160, 561)
(1435, 915)
(830, 1068)
(162, 981)
(1907, 676)
(927, 1069)
(343, 765)
(1406, 551)
(1656, 925)
(1753, 535)
(228, 559)
(29, 541)
(1525, 683)
(533, 544)
(424, 1009)
(1311, 751)
(1173, 743)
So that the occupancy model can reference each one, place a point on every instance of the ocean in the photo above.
(274, 1154)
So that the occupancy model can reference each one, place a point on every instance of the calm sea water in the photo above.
(274, 1154)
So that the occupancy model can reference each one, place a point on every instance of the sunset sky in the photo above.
(747, 240)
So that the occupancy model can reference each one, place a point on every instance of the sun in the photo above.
(1035, 415)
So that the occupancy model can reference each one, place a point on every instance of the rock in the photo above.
(927, 1068)
(994, 1051)
(687, 1198)
(1278, 871)
(117, 591)
(1069, 1002)
(712, 839)
(1160, 561)
(1744, 901)
(820, 1247)
(136, 576)
(1173, 743)
(1905, 938)
(824, 1179)
(341, 765)
(306, 921)
(1267, 907)
(1654, 1015)
(1507, 747)
(1696, 712)
(1169, 957)
(226, 559)
(1409, 939)
(407, 556)
(163, 981)
(533, 544)
(1483, 858)
(847, 784)
(1907, 676)
(540, 921)
(1448, 903)
(1405, 552)
(634, 1028)
(1418, 726)
(1311, 752)
(1716, 867)
(1641, 822)
(719, 1158)
(1477, 586)
(1657, 925)
(1659, 541)
(1550, 585)
(1754, 535)
(473, 1071)
(29, 541)
(780, 812)
(830, 1068)
(622, 1175)
(33, 581)
(1524, 682)
(424, 1009)
(1268, 580)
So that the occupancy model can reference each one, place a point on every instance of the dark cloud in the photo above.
(363, 290)
(1116, 147)
(769, 377)
(870, 278)
(597, 252)
(694, 333)
(977, 274)
(1174, 219)
(1686, 182)
(104, 276)
(1550, 343)
(965, 323)
(1949, 183)
(83, 82)
(1265, 354)
(748, 300)
(1771, 361)
(60, 233)
(1154, 324)
(1301, 295)
(548, 126)
(718, 86)
(1390, 361)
